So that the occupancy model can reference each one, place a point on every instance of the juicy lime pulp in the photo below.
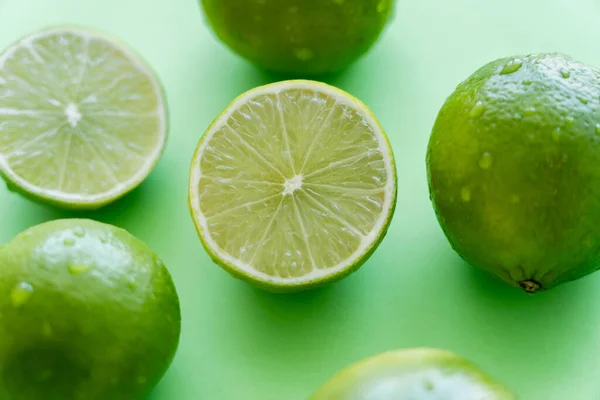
(415, 374)
(83, 120)
(294, 184)
(88, 312)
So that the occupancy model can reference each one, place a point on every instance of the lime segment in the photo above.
(293, 185)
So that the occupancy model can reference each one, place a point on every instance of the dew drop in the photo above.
(485, 162)
(477, 110)
(527, 83)
(465, 194)
(78, 231)
(597, 129)
(21, 294)
(569, 121)
(69, 242)
(512, 67)
(583, 100)
(76, 269)
(529, 111)
(565, 74)
(132, 285)
(303, 54)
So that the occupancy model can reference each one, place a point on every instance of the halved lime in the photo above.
(82, 119)
(293, 185)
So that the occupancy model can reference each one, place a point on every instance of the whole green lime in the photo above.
(307, 37)
(413, 374)
(88, 312)
(513, 169)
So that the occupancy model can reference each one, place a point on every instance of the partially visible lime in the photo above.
(82, 119)
(305, 37)
(413, 374)
(513, 169)
(293, 185)
(88, 312)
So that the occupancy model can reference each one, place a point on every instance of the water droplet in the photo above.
(303, 54)
(556, 135)
(511, 67)
(583, 100)
(527, 83)
(485, 162)
(76, 269)
(132, 285)
(569, 121)
(597, 129)
(47, 329)
(69, 242)
(565, 74)
(78, 231)
(477, 110)
(104, 239)
(465, 194)
(21, 293)
(515, 199)
(381, 7)
(529, 111)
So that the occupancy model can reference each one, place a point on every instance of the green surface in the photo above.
(240, 343)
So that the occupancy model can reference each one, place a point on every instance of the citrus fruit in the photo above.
(293, 185)
(88, 313)
(512, 164)
(306, 37)
(413, 374)
(82, 119)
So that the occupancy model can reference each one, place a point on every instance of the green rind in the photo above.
(356, 381)
(291, 288)
(104, 332)
(91, 206)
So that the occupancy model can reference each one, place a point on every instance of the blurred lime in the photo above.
(88, 313)
(413, 374)
(513, 169)
(293, 185)
(299, 36)
(83, 119)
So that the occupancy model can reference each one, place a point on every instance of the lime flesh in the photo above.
(293, 185)
(413, 374)
(88, 313)
(82, 120)
(512, 164)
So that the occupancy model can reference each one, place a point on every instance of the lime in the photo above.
(88, 313)
(82, 119)
(513, 174)
(413, 374)
(293, 185)
(299, 37)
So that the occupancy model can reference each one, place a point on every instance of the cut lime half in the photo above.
(82, 119)
(293, 185)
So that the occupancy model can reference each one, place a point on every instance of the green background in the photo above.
(241, 343)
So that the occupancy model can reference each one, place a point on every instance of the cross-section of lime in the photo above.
(293, 185)
(82, 119)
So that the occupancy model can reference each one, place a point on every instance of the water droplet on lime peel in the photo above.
(527, 83)
(529, 111)
(597, 129)
(477, 110)
(583, 100)
(569, 121)
(565, 74)
(556, 135)
(21, 294)
(512, 67)
(78, 231)
(132, 285)
(69, 242)
(465, 194)
(485, 162)
(76, 269)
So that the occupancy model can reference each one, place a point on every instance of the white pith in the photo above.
(295, 183)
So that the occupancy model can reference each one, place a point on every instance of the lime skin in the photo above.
(415, 374)
(88, 313)
(513, 171)
(299, 37)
